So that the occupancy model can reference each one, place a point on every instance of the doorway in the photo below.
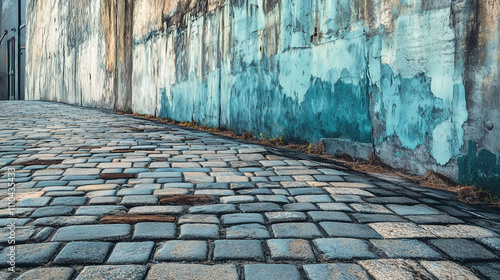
(11, 53)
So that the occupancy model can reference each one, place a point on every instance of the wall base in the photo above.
(338, 147)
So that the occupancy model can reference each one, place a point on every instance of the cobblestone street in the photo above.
(108, 196)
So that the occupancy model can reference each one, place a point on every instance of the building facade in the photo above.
(12, 49)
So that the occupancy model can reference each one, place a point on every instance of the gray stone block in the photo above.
(334, 229)
(405, 249)
(489, 270)
(434, 219)
(23, 233)
(129, 272)
(47, 273)
(199, 231)
(69, 201)
(100, 210)
(131, 252)
(463, 250)
(338, 147)
(255, 231)
(198, 219)
(242, 218)
(180, 250)
(43, 234)
(370, 208)
(30, 254)
(83, 253)
(254, 191)
(306, 191)
(52, 211)
(303, 206)
(334, 207)
(152, 230)
(278, 217)
(338, 271)
(296, 230)
(65, 221)
(193, 271)
(290, 249)
(238, 250)
(212, 209)
(493, 243)
(92, 232)
(412, 210)
(320, 216)
(259, 207)
(103, 200)
(33, 202)
(139, 200)
(124, 192)
(271, 271)
(375, 218)
(343, 248)
(392, 199)
(272, 198)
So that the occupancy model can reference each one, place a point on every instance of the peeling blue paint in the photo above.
(408, 108)
(339, 110)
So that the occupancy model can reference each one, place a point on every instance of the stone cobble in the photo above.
(272, 214)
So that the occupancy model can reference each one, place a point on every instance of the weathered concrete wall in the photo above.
(67, 55)
(417, 79)
(253, 66)
(481, 165)
(75, 54)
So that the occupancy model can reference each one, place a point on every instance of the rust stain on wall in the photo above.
(488, 18)
(124, 55)
(148, 16)
(170, 7)
(214, 4)
(108, 21)
(387, 16)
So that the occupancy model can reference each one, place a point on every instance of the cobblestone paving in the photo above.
(272, 214)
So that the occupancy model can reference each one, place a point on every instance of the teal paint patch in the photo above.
(178, 104)
(192, 100)
(408, 108)
(481, 169)
(339, 110)
(206, 100)
(447, 137)
(163, 101)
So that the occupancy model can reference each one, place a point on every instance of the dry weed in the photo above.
(246, 135)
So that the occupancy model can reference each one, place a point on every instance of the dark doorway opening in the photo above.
(22, 63)
(11, 53)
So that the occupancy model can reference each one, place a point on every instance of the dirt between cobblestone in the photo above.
(111, 176)
(187, 200)
(39, 162)
(134, 219)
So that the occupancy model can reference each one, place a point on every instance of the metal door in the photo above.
(11, 50)
(21, 64)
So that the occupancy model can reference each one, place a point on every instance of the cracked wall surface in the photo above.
(417, 79)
